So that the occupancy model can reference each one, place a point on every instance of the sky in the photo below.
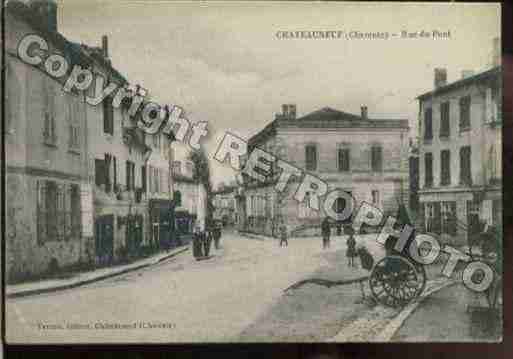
(223, 63)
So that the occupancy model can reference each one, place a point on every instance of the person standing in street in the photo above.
(351, 248)
(207, 240)
(325, 232)
(197, 243)
(217, 235)
(283, 235)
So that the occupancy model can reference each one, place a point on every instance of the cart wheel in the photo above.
(395, 281)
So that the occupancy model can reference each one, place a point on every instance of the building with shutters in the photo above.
(46, 158)
(366, 157)
(86, 186)
(460, 152)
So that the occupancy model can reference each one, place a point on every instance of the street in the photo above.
(238, 296)
(210, 300)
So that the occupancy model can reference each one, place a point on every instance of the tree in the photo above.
(201, 175)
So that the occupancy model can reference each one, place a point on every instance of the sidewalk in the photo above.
(52, 285)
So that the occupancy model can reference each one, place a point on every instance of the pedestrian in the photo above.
(283, 235)
(207, 241)
(197, 243)
(351, 248)
(325, 232)
(217, 235)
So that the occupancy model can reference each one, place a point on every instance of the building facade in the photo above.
(191, 211)
(224, 202)
(367, 158)
(460, 153)
(86, 186)
(45, 152)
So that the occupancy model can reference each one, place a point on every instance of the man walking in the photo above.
(325, 232)
(283, 235)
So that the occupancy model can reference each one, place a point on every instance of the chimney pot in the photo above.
(105, 46)
(364, 112)
(292, 111)
(440, 77)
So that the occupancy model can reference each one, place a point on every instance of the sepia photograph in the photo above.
(251, 172)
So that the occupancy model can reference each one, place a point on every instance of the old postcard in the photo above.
(252, 172)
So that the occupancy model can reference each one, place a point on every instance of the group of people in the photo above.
(202, 240)
(351, 252)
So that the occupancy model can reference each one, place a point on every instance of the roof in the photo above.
(328, 117)
(76, 53)
(462, 82)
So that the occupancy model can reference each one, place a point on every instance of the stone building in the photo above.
(46, 157)
(186, 213)
(366, 157)
(118, 155)
(191, 211)
(86, 186)
(460, 153)
(225, 204)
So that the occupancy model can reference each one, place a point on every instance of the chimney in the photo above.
(292, 111)
(440, 77)
(46, 10)
(105, 46)
(467, 73)
(364, 113)
(496, 52)
(285, 110)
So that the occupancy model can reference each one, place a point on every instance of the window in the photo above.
(497, 212)
(76, 211)
(473, 222)
(375, 197)
(115, 171)
(445, 129)
(428, 122)
(311, 157)
(448, 218)
(49, 127)
(108, 166)
(156, 180)
(428, 163)
(376, 159)
(344, 160)
(445, 167)
(465, 166)
(130, 176)
(108, 116)
(493, 164)
(143, 178)
(58, 211)
(100, 172)
(176, 167)
(432, 213)
(12, 97)
(74, 125)
(465, 113)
